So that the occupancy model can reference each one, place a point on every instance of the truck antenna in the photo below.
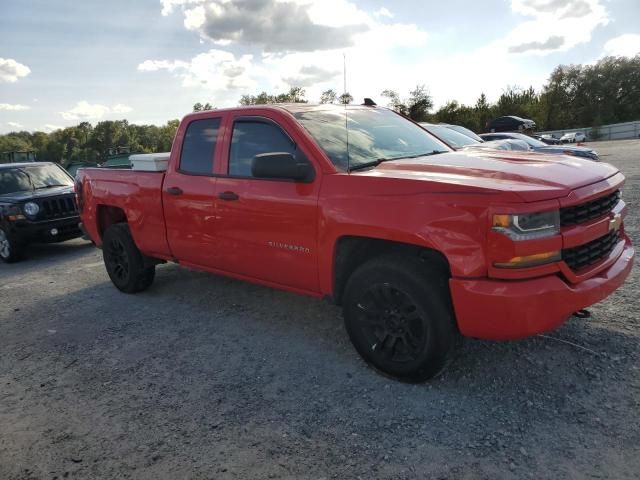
(346, 119)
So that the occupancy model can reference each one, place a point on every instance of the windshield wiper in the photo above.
(52, 185)
(433, 152)
(375, 163)
(372, 163)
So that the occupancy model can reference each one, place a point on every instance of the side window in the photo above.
(198, 147)
(251, 138)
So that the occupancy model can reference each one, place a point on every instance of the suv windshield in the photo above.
(23, 179)
(374, 134)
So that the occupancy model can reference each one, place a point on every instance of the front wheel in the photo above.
(398, 315)
(10, 250)
(125, 264)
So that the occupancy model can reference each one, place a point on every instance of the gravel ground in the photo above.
(207, 377)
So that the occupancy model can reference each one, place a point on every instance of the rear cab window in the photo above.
(198, 147)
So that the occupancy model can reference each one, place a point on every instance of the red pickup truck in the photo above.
(419, 244)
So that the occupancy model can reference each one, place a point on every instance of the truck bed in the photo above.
(115, 191)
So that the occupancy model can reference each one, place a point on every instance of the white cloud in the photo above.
(301, 45)
(13, 107)
(291, 26)
(627, 45)
(48, 127)
(10, 70)
(554, 25)
(15, 125)
(383, 12)
(84, 111)
(120, 108)
(310, 75)
(215, 70)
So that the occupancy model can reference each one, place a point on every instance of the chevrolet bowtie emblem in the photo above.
(615, 222)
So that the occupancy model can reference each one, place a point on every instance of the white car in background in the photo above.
(573, 137)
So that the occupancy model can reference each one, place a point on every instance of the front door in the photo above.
(267, 228)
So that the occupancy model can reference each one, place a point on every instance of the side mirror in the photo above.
(282, 165)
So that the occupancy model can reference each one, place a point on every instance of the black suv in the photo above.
(510, 123)
(37, 204)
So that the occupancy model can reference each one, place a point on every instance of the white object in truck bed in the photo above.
(150, 162)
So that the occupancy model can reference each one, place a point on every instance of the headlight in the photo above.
(528, 226)
(31, 209)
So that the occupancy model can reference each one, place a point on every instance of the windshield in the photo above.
(451, 137)
(23, 179)
(374, 134)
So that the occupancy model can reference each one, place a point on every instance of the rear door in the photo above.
(188, 193)
(267, 227)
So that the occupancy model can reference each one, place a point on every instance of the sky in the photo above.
(67, 61)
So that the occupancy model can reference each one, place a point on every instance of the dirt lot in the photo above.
(206, 377)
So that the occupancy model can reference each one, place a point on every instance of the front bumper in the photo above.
(49, 231)
(510, 309)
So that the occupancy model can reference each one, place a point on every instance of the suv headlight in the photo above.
(528, 226)
(31, 209)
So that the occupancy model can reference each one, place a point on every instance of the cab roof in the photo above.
(291, 107)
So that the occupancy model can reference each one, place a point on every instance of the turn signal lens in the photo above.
(530, 260)
(501, 221)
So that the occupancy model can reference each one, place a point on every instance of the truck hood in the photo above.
(532, 176)
(35, 194)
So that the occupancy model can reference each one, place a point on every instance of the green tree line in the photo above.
(602, 93)
(605, 92)
(89, 143)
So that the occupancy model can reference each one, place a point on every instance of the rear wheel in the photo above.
(398, 315)
(10, 250)
(125, 264)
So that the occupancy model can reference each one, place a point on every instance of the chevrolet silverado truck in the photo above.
(37, 204)
(419, 244)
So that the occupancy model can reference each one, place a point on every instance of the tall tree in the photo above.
(346, 98)
(328, 96)
(419, 104)
(199, 107)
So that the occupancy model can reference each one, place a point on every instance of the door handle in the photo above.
(228, 196)
(174, 191)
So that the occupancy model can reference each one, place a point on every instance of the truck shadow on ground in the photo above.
(198, 352)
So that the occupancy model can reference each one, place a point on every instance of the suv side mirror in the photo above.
(282, 165)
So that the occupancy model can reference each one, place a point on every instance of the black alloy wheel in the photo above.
(398, 314)
(129, 270)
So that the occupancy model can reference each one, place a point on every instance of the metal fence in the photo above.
(615, 131)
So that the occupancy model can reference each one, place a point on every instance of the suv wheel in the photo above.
(10, 251)
(125, 264)
(399, 317)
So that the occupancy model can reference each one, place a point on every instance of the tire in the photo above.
(125, 264)
(398, 314)
(10, 250)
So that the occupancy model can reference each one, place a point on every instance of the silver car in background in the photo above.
(538, 146)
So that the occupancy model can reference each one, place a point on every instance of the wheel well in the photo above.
(351, 252)
(108, 215)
